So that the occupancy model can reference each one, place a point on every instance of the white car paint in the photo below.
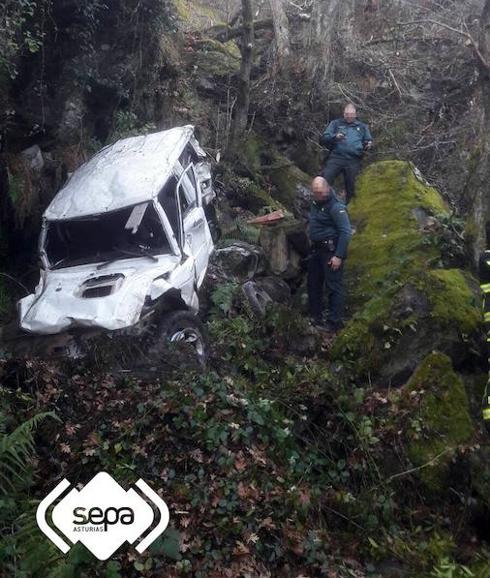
(126, 174)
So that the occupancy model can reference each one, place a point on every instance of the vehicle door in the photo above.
(196, 236)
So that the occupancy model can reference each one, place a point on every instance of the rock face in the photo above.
(405, 305)
(282, 243)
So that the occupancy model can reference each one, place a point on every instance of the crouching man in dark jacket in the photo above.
(330, 232)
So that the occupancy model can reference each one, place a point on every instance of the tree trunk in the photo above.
(478, 185)
(281, 32)
(324, 19)
(240, 118)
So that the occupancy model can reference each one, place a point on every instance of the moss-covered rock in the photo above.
(389, 243)
(440, 418)
(404, 307)
(246, 193)
(214, 62)
(196, 15)
(453, 300)
(272, 170)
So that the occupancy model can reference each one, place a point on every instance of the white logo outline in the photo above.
(100, 551)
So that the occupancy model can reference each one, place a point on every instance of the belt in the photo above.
(329, 244)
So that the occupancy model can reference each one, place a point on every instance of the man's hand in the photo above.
(340, 136)
(335, 263)
(369, 145)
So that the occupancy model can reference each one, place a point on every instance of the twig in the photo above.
(344, 517)
(413, 470)
(395, 82)
(474, 45)
(15, 281)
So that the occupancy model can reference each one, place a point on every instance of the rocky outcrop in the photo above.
(405, 303)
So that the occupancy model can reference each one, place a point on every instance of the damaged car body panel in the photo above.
(128, 227)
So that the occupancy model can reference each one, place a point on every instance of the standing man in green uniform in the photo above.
(329, 231)
(347, 138)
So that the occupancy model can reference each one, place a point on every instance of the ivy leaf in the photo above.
(168, 545)
(112, 570)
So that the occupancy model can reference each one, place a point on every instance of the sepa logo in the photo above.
(102, 516)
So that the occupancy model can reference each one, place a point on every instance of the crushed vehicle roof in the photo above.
(128, 172)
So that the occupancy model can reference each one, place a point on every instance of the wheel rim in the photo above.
(191, 336)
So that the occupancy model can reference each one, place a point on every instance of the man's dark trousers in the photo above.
(319, 275)
(350, 169)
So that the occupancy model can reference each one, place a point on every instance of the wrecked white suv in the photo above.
(126, 237)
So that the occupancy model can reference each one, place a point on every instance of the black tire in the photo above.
(182, 327)
(256, 297)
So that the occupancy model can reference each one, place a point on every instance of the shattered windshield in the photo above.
(132, 231)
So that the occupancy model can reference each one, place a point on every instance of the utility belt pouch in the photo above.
(329, 244)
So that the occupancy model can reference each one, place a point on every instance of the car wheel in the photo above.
(183, 328)
(256, 297)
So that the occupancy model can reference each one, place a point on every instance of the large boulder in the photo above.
(405, 304)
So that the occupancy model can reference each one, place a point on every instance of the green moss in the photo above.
(214, 63)
(389, 243)
(251, 153)
(248, 194)
(371, 335)
(452, 300)
(272, 170)
(286, 177)
(227, 48)
(358, 345)
(443, 413)
(388, 253)
(196, 15)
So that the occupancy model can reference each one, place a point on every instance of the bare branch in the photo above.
(471, 41)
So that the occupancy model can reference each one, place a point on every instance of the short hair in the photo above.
(350, 105)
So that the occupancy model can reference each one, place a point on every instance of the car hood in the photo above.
(111, 297)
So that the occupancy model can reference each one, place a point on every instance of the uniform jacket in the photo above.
(330, 220)
(356, 133)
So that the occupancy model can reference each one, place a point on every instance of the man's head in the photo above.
(350, 113)
(320, 189)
